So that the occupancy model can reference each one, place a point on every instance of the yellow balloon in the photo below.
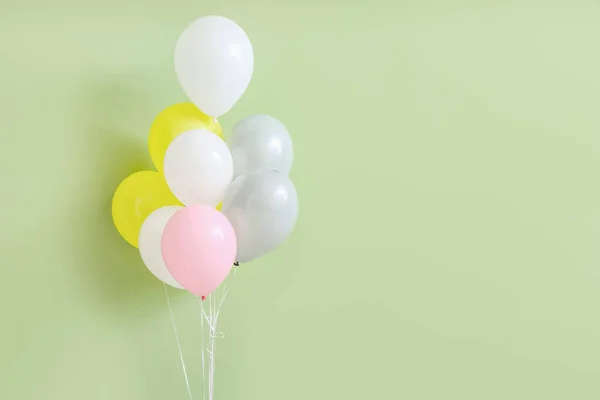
(173, 121)
(137, 197)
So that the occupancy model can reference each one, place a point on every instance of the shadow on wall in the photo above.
(114, 147)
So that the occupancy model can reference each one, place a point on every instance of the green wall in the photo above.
(448, 165)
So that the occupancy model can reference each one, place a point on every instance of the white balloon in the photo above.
(149, 243)
(261, 141)
(198, 167)
(262, 207)
(214, 62)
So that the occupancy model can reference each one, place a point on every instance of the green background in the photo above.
(448, 165)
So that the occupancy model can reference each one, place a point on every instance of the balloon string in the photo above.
(203, 364)
(187, 383)
(213, 349)
(215, 302)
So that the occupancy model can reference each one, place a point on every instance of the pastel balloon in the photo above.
(150, 241)
(136, 197)
(198, 247)
(173, 121)
(198, 168)
(214, 62)
(262, 207)
(261, 141)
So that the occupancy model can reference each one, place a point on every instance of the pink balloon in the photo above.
(199, 248)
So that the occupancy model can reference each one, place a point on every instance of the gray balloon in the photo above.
(262, 206)
(260, 141)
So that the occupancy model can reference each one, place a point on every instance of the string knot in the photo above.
(217, 335)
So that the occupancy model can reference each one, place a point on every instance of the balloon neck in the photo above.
(237, 264)
(214, 120)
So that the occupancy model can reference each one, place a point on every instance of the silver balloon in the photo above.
(260, 141)
(262, 206)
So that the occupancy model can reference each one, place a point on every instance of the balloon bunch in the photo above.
(210, 204)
